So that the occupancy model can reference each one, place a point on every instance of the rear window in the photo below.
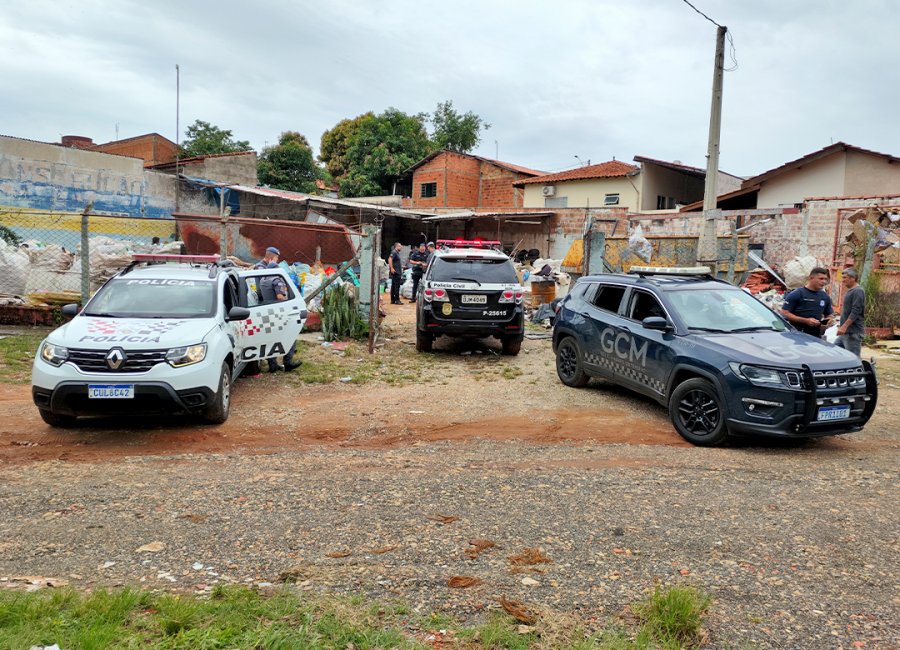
(485, 271)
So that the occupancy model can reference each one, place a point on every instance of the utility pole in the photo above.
(177, 129)
(707, 248)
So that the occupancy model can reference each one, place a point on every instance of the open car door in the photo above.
(273, 325)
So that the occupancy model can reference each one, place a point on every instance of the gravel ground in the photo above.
(797, 544)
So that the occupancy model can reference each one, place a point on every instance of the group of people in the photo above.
(809, 308)
(418, 262)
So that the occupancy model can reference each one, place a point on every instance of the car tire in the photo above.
(511, 345)
(697, 412)
(569, 368)
(424, 342)
(217, 411)
(57, 420)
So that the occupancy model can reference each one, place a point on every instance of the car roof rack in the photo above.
(678, 271)
(469, 243)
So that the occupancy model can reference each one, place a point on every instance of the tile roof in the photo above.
(499, 163)
(609, 169)
(815, 155)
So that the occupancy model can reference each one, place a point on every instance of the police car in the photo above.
(470, 289)
(168, 334)
(720, 360)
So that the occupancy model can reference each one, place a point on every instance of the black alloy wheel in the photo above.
(568, 364)
(696, 411)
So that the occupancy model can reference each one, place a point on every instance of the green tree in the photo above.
(289, 165)
(203, 138)
(455, 131)
(366, 154)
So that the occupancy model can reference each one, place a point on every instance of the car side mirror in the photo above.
(71, 309)
(656, 323)
(238, 313)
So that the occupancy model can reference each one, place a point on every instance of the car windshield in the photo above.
(154, 298)
(482, 271)
(724, 310)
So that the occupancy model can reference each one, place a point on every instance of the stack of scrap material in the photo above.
(759, 281)
(875, 222)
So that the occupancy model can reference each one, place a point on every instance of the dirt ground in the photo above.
(305, 476)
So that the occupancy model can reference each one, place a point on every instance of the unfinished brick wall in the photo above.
(153, 148)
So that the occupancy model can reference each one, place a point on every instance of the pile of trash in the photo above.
(39, 274)
(875, 222)
(543, 281)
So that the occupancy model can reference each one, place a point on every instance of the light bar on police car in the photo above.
(467, 243)
(188, 259)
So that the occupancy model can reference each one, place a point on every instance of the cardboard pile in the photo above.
(874, 222)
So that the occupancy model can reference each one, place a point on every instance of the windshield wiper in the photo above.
(709, 329)
(757, 328)
(101, 314)
(468, 280)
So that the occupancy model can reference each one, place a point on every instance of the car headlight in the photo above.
(177, 357)
(55, 355)
(757, 375)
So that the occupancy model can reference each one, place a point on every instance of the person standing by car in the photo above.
(418, 260)
(853, 314)
(395, 267)
(273, 288)
(271, 257)
(809, 307)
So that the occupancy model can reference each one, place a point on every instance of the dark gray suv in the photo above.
(717, 358)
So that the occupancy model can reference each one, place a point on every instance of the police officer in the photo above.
(809, 307)
(273, 288)
(396, 268)
(271, 256)
(418, 259)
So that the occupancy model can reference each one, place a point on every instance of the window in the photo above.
(131, 296)
(260, 286)
(609, 298)
(557, 202)
(665, 202)
(429, 190)
(485, 271)
(644, 305)
(611, 199)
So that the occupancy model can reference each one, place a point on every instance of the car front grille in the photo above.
(848, 378)
(135, 360)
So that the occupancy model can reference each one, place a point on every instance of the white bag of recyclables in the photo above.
(51, 257)
(831, 334)
(796, 272)
(14, 268)
(640, 245)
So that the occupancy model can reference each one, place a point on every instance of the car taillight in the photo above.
(439, 295)
(428, 294)
(506, 296)
(519, 297)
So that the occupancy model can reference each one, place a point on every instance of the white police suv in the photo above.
(168, 334)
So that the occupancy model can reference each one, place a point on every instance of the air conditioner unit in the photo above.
(549, 190)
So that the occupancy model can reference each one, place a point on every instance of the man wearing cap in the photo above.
(272, 255)
(273, 288)
(430, 247)
(418, 260)
(853, 314)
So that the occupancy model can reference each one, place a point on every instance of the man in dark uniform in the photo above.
(273, 288)
(271, 256)
(417, 260)
(809, 307)
(395, 267)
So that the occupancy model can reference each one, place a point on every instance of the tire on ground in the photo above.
(697, 412)
(569, 367)
(217, 410)
(424, 342)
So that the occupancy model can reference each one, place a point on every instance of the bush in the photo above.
(882, 307)
(340, 315)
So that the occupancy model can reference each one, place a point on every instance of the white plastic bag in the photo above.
(831, 334)
(639, 245)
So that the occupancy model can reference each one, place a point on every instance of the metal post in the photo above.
(366, 272)
(707, 247)
(85, 255)
(374, 291)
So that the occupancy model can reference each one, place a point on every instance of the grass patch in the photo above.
(17, 354)
(324, 365)
(238, 617)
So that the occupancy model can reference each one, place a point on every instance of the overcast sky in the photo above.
(596, 79)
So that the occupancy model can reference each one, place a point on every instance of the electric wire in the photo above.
(732, 51)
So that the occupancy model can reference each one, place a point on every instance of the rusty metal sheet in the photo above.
(249, 238)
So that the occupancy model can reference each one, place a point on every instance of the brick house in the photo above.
(460, 180)
(152, 147)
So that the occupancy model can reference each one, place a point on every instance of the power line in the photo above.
(732, 52)
(687, 2)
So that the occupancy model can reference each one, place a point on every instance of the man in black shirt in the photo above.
(809, 307)
(417, 260)
(395, 266)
